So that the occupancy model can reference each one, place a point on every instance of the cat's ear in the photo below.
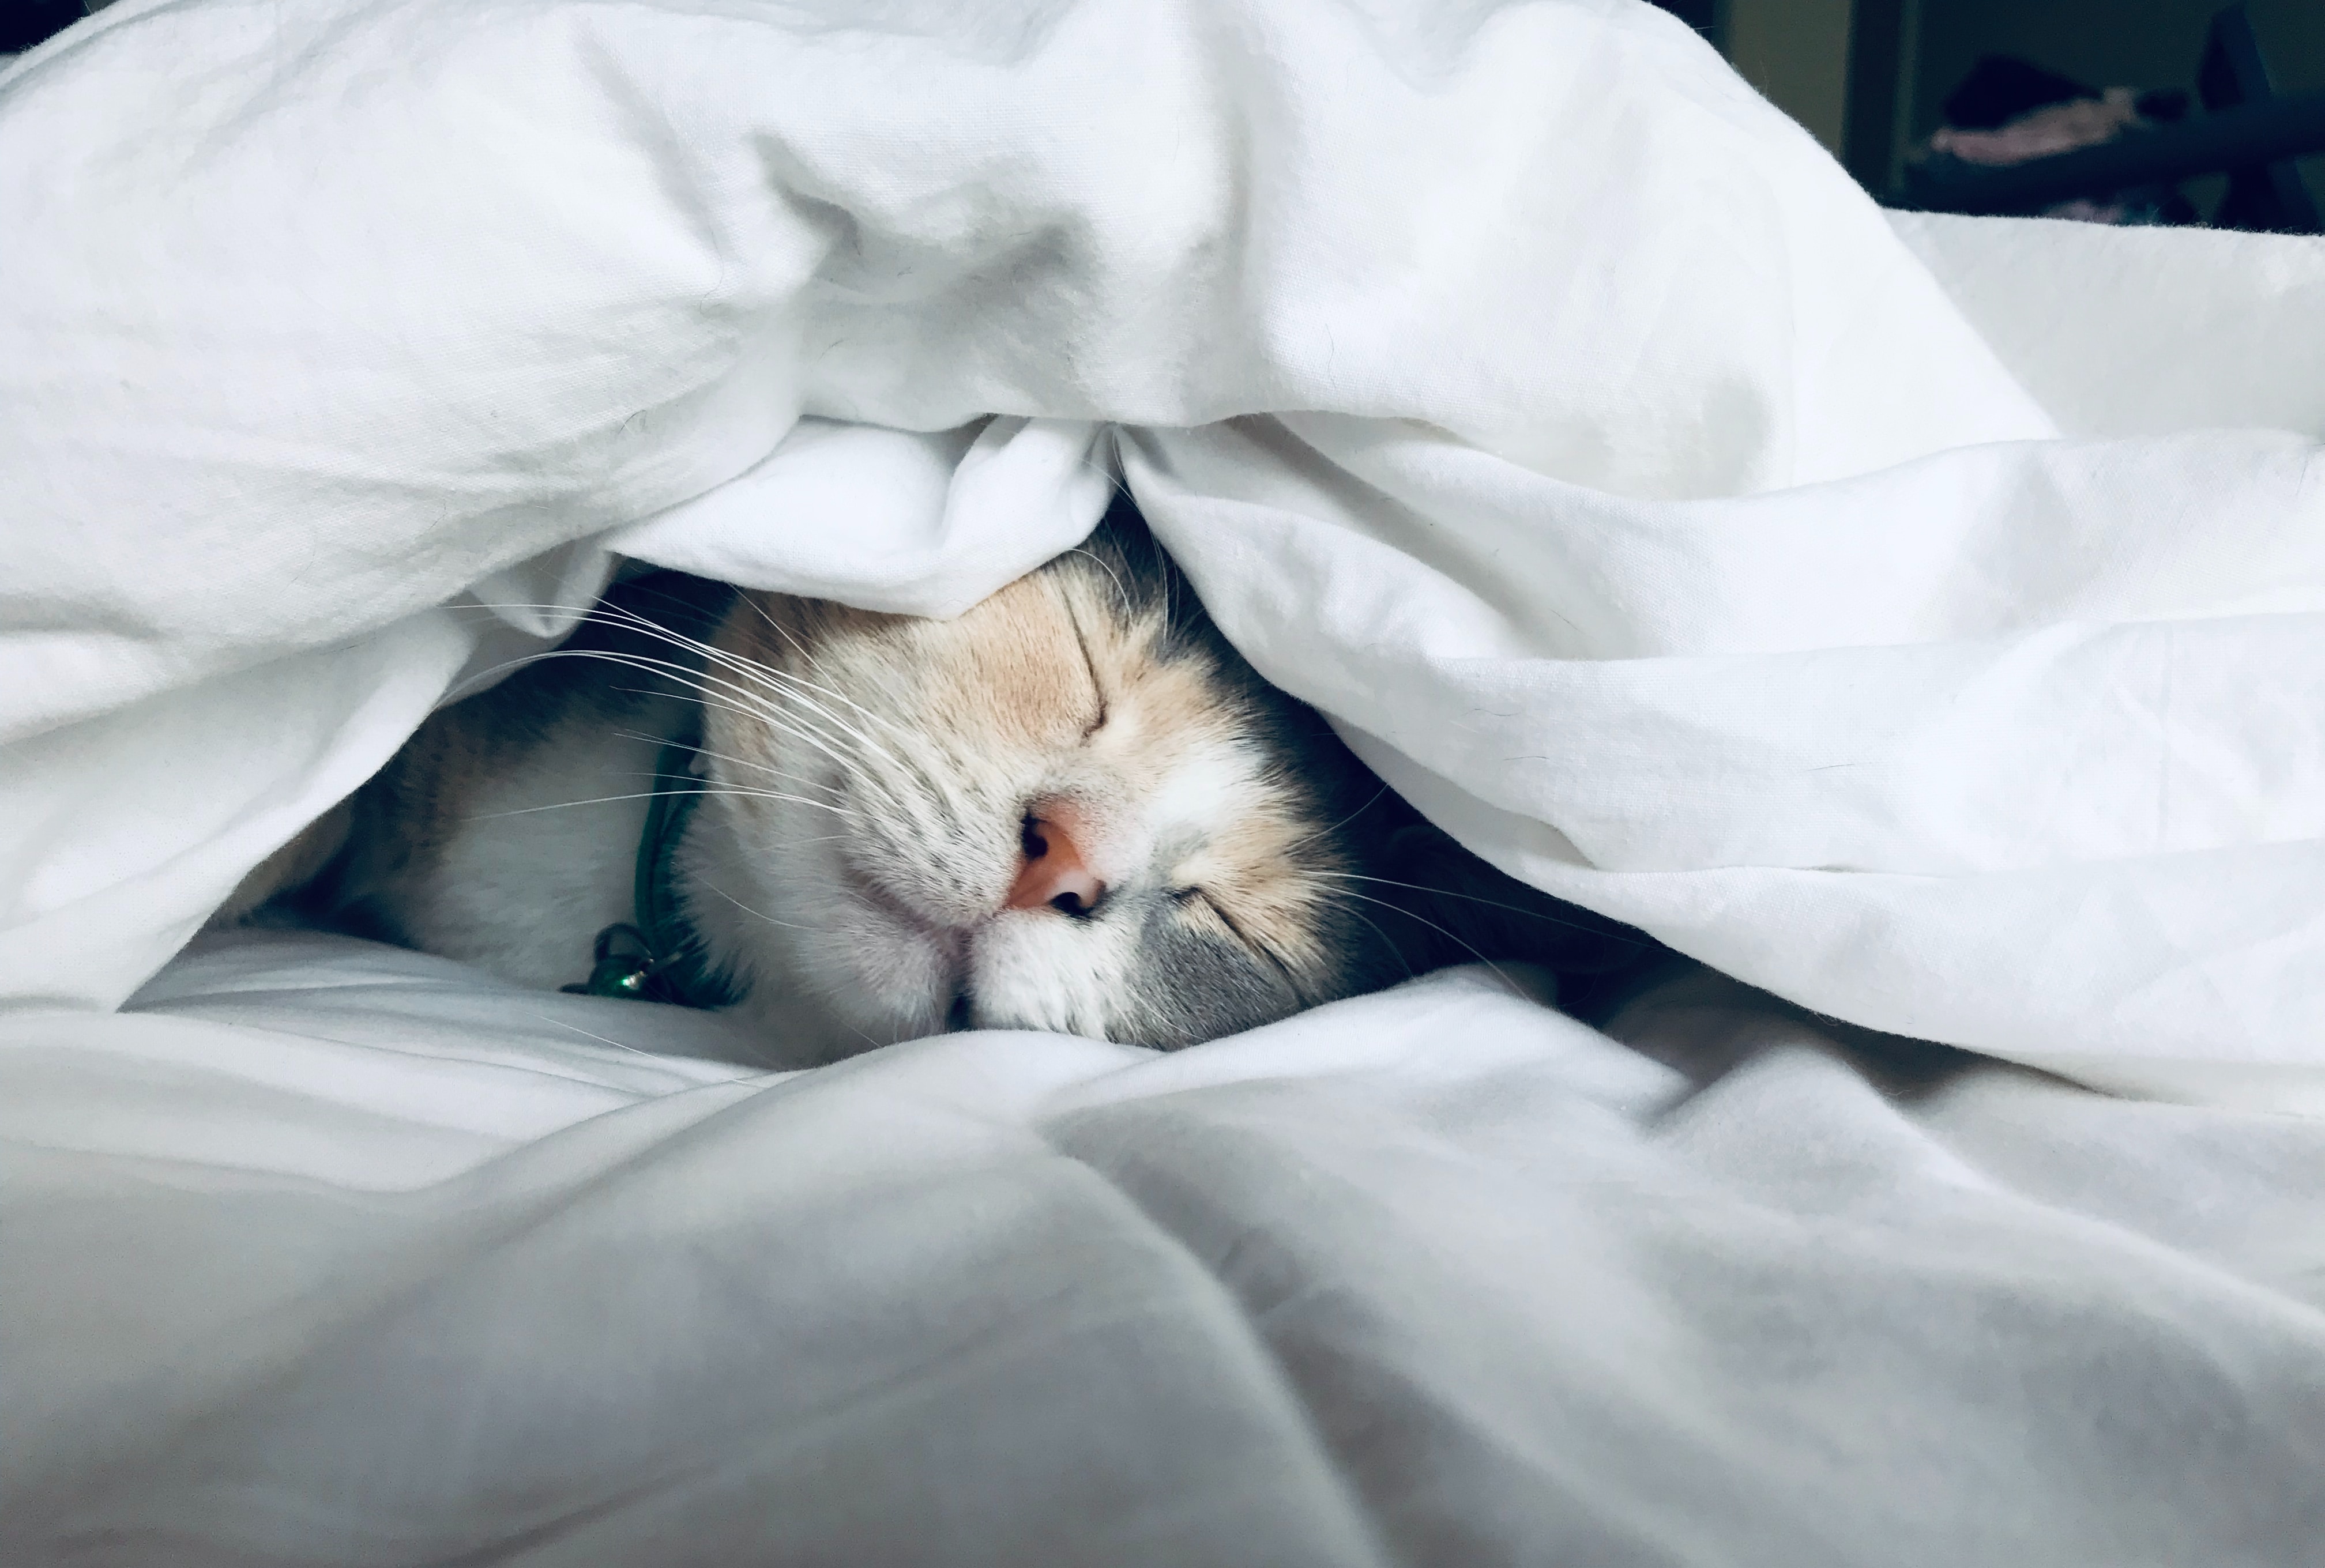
(1464, 911)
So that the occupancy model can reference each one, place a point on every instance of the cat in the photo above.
(1074, 808)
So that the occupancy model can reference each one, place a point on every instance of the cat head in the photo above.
(1073, 808)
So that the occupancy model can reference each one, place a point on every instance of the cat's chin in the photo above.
(854, 973)
(860, 982)
(825, 971)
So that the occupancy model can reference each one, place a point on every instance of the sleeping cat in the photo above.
(1074, 808)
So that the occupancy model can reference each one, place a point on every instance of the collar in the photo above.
(659, 957)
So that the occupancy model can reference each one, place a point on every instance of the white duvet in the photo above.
(1921, 620)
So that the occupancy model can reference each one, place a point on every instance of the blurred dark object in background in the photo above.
(2270, 196)
(1886, 85)
(25, 22)
(2009, 112)
(2019, 138)
(1999, 89)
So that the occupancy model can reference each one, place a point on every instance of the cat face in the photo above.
(1073, 808)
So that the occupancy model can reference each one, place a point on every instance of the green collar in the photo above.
(660, 957)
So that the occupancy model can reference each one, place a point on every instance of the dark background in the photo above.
(1866, 76)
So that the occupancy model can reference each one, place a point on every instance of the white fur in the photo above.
(530, 877)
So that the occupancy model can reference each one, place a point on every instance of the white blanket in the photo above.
(1621, 481)
(1858, 605)
(324, 1254)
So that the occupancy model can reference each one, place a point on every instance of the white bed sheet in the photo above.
(444, 1274)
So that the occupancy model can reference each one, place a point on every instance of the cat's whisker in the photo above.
(793, 682)
(737, 695)
(822, 729)
(1335, 827)
(649, 794)
(1121, 591)
(1374, 927)
(739, 856)
(507, 667)
(624, 619)
(757, 913)
(633, 1050)
(769, 769)
(778, 628)
(748, 706)
(746, 792)
(1490, 903)
(782, 682)
(1454, 936)
(837, 724)
(807, 657)
(705, 697)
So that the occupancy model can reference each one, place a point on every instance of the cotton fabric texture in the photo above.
(1917, 619)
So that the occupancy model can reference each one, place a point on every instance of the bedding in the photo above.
(1851, 600)
(326, 1253)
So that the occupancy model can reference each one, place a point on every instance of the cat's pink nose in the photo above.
(1054, 873)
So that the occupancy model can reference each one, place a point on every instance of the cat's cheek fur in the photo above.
(888, 981)
(824, 974)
